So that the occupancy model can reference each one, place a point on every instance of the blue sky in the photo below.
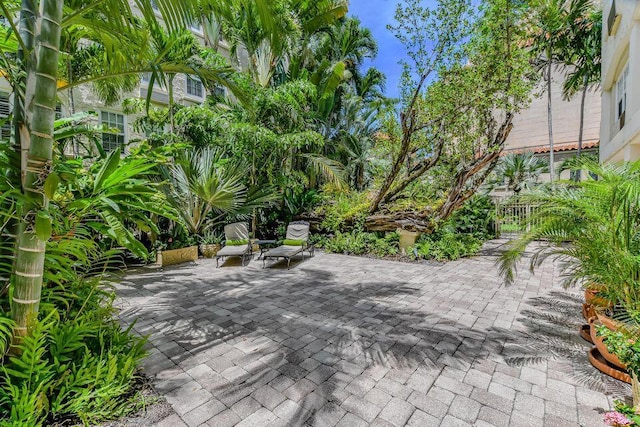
(375, 15)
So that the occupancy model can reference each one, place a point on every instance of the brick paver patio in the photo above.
(350, 341)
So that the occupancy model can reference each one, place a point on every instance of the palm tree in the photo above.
(593, 226)
(551, 21)
(204, 187)
(584, 50)
(519, 171)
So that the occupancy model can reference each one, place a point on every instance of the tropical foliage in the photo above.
(302, 129)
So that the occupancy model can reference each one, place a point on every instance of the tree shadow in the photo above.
(317, 340)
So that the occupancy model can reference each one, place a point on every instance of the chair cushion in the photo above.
(293, 242)
(237, 242)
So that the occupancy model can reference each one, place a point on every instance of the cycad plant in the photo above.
(593, 227)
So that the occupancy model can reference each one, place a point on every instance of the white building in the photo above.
(620, 125)
(187, 90)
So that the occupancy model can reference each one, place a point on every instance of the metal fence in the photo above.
(513, 216)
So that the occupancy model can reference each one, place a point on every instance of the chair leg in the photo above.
(217, 262)
(288, 263)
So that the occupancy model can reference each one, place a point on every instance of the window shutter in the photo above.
(5, 111)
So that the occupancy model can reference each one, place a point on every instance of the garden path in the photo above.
(349, 341)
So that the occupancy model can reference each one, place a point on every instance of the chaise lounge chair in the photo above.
(296, 242)
(237, 242)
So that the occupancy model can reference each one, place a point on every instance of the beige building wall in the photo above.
(620, 127)
(530, 131)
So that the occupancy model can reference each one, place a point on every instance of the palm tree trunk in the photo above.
(581, 131)
(29, 265)
(170, 89)
(549, 118)
(21, 132)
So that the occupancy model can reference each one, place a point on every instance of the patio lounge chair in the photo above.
(296, 242)
(235, 234)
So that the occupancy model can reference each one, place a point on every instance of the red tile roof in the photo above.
(538, 149)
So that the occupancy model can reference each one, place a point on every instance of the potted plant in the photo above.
(210, 244)
(624, 344)
(593, 227)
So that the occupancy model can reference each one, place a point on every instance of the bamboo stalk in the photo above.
(30, 253)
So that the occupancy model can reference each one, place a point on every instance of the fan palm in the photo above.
(594, 226)
(204, 187)
(519, 171)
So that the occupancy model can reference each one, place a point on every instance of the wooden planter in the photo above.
(210, 250)
(177, 256)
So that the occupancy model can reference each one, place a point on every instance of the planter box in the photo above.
(407, 239)
(177, 256)
(210, 250)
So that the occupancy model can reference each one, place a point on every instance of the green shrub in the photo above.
(360, 243)
(342, 210)
(475, 217)
(447, 245)
(78, 365)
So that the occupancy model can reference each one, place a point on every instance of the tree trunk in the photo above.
(170, 90)
(29, 265)
(581, 131)
(549, 118)
(20, 135)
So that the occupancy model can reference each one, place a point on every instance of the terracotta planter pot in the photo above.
(585, 333)
(603, 366)
(602, 347)
(591, 297)
(210, 250)
(613, 325)
(177, 256)
(588, 311)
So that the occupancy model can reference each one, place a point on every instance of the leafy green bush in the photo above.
(475, 217)
(342, 210)
(77, 365)
(360, 243)
(447, 246)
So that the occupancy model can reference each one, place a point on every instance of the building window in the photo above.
(621, 96)
(114, 136)
(154, 5)
(219, 92)
(194, 87)
(59, 114)
(5, 112)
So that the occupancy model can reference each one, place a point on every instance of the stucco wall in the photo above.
(530, 130)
